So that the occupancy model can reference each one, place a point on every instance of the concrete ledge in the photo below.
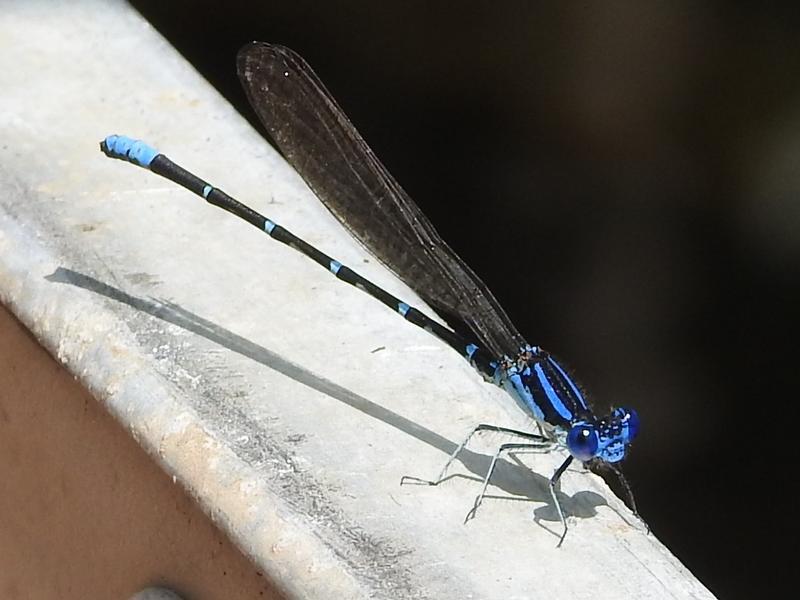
(286, 403)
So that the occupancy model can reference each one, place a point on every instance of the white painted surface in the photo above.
(249, 372)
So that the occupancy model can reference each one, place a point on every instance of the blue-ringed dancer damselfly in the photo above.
(320, 142)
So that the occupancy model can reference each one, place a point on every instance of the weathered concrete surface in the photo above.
(289, 404)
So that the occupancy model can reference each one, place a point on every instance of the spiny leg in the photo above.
(553, 481)
(628, 493)
(462, 445)
(542, 446)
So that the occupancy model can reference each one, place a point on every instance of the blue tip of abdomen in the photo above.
(125, 148)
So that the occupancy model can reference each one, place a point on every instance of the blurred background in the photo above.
(625, 176)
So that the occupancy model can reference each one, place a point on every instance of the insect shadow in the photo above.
(514, 478)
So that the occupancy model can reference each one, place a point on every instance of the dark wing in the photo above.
(320, 142)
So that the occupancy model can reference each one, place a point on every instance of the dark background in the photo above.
(625, 178)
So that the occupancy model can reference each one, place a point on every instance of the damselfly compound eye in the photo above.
(629, 419)
(583, 441)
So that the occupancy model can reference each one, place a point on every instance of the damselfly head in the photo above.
(606, 439)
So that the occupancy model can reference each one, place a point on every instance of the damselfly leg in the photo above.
(539, 443)
(481, 427)
(553, 481)
(543, 446)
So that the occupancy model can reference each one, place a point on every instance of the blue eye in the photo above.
(583, 441)
(631, 420)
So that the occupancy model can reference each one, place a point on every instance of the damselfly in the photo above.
(320, 142)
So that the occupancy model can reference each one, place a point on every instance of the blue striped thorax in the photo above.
(536, 379)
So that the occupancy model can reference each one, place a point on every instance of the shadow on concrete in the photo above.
(515, 479)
